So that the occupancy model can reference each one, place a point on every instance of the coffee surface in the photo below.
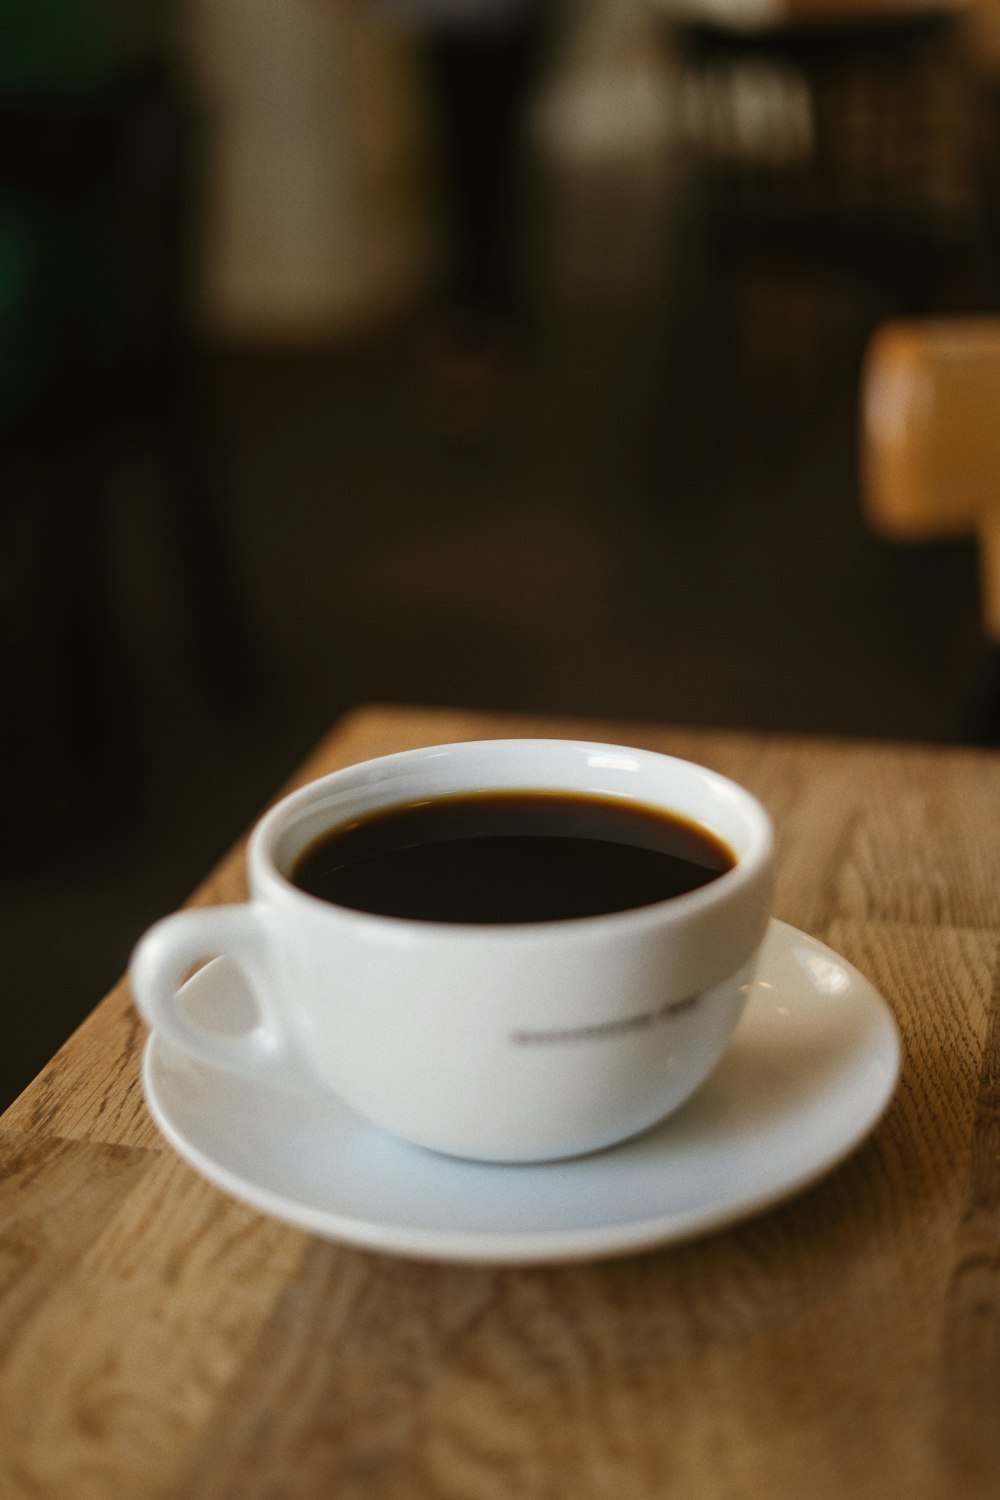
(502, 857)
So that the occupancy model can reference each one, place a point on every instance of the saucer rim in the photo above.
(548, 1246)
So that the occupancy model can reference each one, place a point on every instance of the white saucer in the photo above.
(810, 1069)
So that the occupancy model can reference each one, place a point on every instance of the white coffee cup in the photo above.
(510, 1043)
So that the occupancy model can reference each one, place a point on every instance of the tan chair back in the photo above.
(930, 438)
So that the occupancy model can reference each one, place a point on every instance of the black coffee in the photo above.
(510, 857)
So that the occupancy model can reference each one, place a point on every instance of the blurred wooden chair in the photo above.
(930, 456)
(837, 172)
(849, 132)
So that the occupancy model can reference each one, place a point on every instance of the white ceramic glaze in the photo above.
(506, 1043)
(809, 1071)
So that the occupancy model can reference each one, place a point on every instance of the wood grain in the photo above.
(158, 1340)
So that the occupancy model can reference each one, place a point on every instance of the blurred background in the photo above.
(464, 352)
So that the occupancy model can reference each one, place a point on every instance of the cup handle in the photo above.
(162, 960)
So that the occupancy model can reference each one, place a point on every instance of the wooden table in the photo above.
(158, 1339)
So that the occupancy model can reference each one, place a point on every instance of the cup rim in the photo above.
(262, 862)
